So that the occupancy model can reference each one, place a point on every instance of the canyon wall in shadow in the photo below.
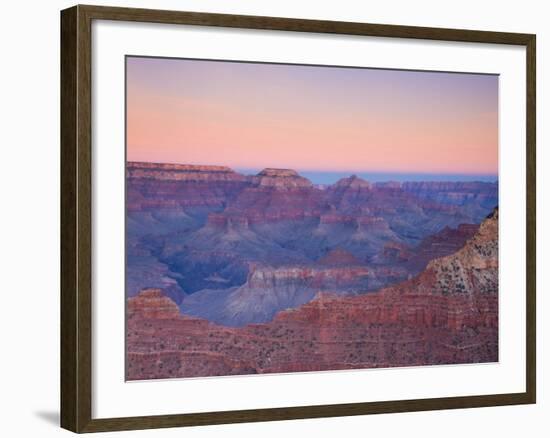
(238, 249)
(447, 314)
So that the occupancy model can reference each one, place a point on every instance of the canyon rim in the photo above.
(285, 218)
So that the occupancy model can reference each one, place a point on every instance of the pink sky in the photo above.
(247, 115)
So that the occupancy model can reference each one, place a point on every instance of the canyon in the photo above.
(446, 314)
(237, 249)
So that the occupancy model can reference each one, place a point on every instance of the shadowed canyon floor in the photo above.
(240, 274)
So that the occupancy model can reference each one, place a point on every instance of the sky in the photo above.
(316, 120)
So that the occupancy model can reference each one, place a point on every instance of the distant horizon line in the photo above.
(332, 176)
(327, 177)
(301, 169)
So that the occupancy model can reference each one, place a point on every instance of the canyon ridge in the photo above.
(228, 273)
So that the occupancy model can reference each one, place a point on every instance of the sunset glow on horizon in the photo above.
(318, 119)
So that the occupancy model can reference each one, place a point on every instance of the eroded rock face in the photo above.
(457, 193)
(445, 242)
(473, 269)
(270, 290)
(199, 230)
(281, 179)
(447, 314)
(353, 182)
(276, 201)
(152, 304)
(181, 172)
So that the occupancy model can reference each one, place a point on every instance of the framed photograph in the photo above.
(271, 218)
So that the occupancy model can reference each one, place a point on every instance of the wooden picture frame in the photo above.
(76, 217)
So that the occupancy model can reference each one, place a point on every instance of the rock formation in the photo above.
(281, 179)
(206, 230)
(270, 290)
(448, 314)
(456, 193)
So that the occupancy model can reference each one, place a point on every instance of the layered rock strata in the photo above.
(194, 229)
(448, 314)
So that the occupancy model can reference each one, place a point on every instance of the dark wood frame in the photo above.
(76, 237)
